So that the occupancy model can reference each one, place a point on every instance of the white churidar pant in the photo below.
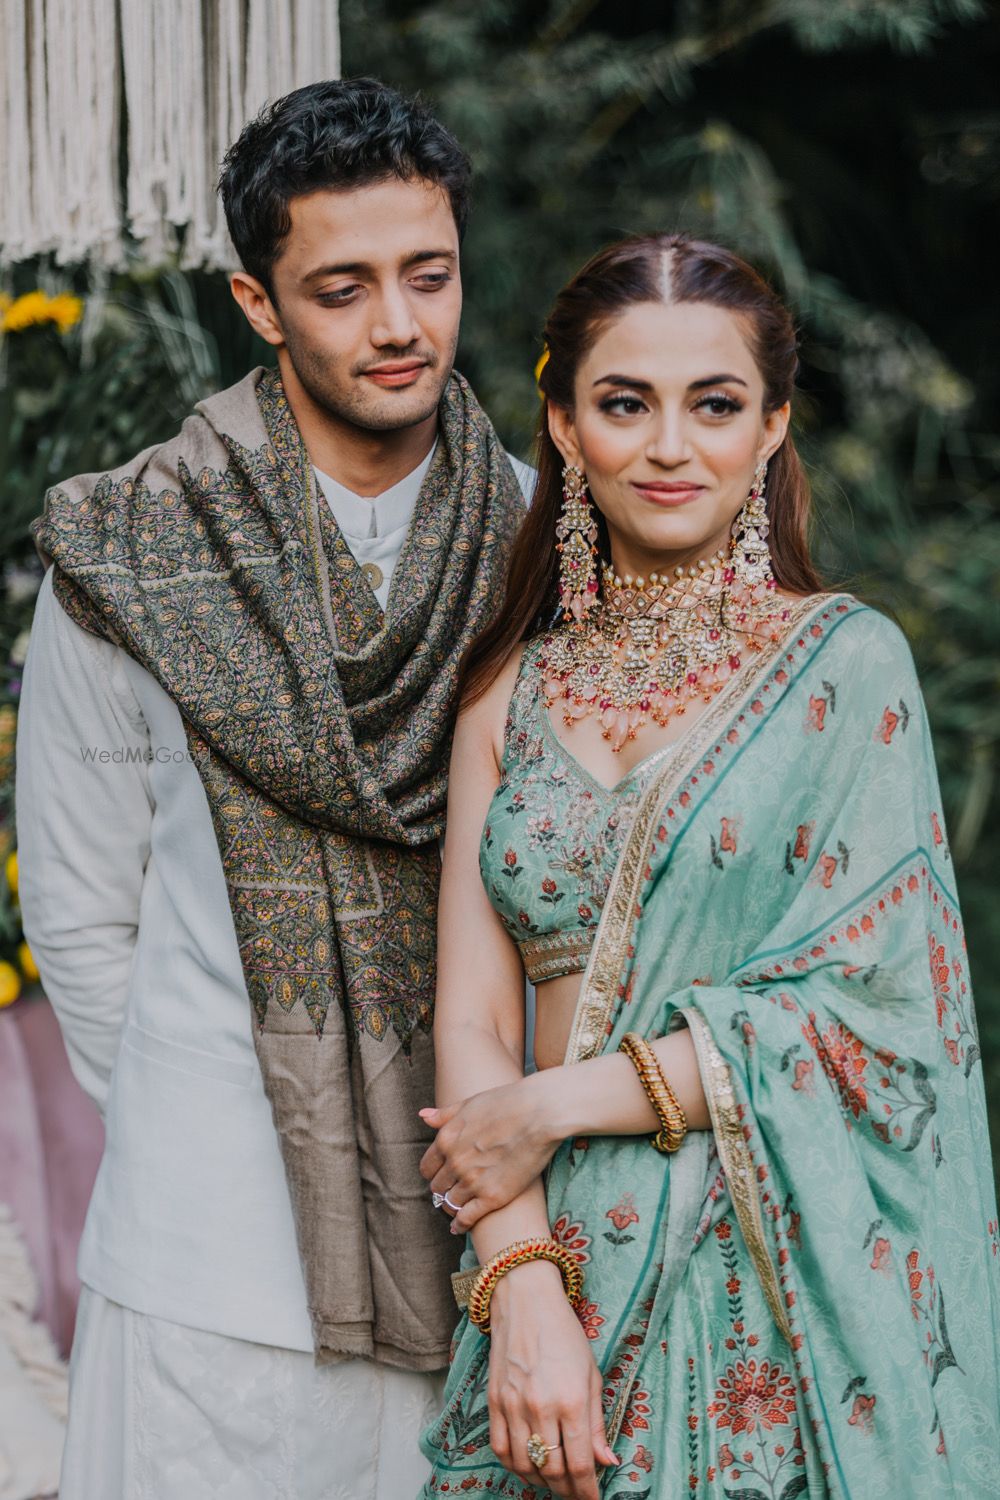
(163, 1412)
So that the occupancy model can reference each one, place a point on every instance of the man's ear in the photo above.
(563, 433)
(258, 309)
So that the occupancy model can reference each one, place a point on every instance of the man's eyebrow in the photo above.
(647, 385)
(359, 267)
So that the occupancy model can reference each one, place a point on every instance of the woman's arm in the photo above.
(488, 1147)
(542, 1374)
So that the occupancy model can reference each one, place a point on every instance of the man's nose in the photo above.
(394, 323)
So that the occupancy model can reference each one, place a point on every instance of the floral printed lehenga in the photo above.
(804, 1300)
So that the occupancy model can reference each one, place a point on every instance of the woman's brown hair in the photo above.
(626, 273)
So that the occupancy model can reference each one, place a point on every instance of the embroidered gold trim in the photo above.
(556, 953)
(462, 1283)
(599, 989)
(734, 1155)
(617, 1414)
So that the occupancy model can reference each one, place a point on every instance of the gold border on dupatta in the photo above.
(599, 987)
(734, 1154)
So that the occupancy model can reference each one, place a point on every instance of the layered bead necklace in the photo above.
(652, 645)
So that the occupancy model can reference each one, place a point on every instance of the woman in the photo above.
(695, 798)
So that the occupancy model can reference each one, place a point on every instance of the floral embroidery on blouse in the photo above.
(552, 836)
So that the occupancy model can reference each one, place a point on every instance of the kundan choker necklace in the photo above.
(650, 646)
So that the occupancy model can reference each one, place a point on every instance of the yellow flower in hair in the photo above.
(10, 984)
(543, 361)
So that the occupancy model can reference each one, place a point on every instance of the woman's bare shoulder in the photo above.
(482, 722)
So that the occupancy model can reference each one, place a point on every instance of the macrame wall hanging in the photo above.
(116, 114)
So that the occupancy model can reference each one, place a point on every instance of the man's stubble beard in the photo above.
(346, 400)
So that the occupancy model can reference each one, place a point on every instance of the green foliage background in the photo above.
(850, 148)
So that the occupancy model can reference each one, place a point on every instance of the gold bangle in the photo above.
(519, 1254)
(673, 1124)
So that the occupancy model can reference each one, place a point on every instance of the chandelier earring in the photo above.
(750, 556)
(576, 543)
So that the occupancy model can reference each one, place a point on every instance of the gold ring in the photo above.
(539, 1450)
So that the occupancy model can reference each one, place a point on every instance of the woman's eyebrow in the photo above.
(697, 385)
(638, 385)
(647, 385)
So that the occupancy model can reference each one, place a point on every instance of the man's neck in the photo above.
(366, 463)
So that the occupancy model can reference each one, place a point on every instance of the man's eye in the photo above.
(342, 294)
(432, 280)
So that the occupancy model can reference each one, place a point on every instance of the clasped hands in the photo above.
(489, 1148)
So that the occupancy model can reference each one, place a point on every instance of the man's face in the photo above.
(369, 298)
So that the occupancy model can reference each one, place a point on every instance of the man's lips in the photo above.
(399, 372)
(668, 494)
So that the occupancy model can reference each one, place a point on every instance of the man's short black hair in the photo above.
(345, 133)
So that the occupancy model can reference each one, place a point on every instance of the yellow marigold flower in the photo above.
(65, 311)
(26, 959)
(10, 984)
(35, 308)
(11, 869)
(5, 300)
(25, 312)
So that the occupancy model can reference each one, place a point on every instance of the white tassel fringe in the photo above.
(188, 73)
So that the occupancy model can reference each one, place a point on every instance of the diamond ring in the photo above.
(539, 1450)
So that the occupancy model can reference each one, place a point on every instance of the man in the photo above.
(232, 757)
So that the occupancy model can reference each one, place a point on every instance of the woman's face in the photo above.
(668, 426)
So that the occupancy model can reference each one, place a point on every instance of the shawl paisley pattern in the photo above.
(321, 729)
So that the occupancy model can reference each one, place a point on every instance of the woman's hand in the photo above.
(543, 1378)
(489, 1148)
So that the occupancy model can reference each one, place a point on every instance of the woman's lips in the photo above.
(669, 494)
(397, 375)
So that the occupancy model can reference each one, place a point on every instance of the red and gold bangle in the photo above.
(519, 1254)
(673, 1124)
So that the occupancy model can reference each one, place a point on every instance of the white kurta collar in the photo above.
(361, 518)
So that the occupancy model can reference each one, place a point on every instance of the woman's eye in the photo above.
(718, 406)
(624, 405)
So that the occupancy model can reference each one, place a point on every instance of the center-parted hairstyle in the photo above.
(341, 134)
(617, 278)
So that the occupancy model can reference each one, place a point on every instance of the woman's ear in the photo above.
(563, 434)
(775, 427)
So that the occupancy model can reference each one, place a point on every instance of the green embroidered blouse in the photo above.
(552, 836)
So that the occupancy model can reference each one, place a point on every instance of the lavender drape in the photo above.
(51, 1138)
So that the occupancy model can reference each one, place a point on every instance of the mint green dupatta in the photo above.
(804, 1301)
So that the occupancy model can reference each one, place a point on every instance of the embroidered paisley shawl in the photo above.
(805, 1300)
(321, 730)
